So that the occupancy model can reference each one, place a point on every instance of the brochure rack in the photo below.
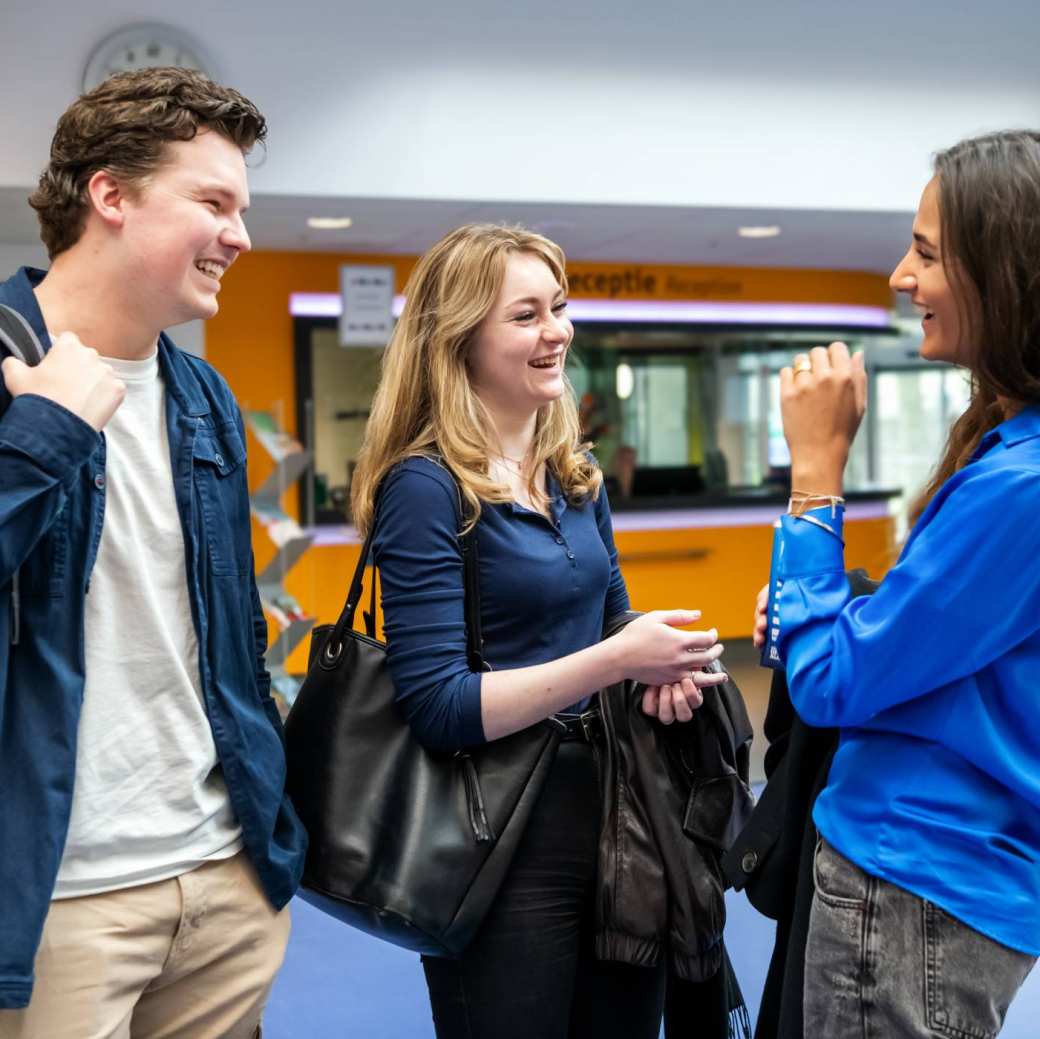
(290, 540)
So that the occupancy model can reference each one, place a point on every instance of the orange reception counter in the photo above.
(713, 557)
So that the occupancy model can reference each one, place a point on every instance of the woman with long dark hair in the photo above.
(926, 914)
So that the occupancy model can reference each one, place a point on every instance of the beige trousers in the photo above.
(188, 958)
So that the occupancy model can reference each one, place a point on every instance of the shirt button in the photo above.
(570, 555)
(558, 540)
(749, 861)
(219, 460)
(99, 481)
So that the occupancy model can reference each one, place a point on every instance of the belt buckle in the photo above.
(559, 723)
(587, 720)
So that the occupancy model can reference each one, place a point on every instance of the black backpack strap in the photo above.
(17, 337)
(19, 340)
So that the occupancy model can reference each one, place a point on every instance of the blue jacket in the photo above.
(52, 502)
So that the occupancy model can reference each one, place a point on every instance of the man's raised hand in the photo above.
(72, 375)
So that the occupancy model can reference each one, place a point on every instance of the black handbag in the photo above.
(406, 844)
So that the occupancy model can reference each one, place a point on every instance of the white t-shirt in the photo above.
(149, 800)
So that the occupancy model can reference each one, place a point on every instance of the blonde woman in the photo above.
(474, 398)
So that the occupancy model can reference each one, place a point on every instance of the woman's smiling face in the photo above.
(517, 356)
(923, 274)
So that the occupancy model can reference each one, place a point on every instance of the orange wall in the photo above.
(251, 343)
(250, 340)
(717, 570)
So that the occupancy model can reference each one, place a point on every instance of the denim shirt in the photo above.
(935, 786)
(52, 504)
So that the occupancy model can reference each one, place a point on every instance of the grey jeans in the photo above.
(881, 963)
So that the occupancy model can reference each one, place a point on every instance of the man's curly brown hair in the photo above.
(123, 126)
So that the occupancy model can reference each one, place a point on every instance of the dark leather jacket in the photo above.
(772, 858)
(674, 799)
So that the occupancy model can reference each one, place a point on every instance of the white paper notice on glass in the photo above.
(368, 298)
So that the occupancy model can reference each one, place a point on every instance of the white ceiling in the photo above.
(629, 133)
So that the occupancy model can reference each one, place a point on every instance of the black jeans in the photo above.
(530, 973)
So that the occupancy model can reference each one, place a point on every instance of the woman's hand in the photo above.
(758, 636)
(670, 662)
(822, 400)
(654, 650)
(678, 701)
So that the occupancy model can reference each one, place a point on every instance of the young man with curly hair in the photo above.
(148, 848)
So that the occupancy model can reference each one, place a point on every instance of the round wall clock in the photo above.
(142, 47)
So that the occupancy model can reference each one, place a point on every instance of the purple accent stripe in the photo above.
(747, 516)
(329, 304)
(338, 534)
(661, 519)
(315, 304)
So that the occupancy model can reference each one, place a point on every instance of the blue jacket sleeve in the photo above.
(617, 593)
(420, 566)
(42, 447)
(964, 593)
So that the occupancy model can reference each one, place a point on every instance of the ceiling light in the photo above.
(759, 231)
(329, 223)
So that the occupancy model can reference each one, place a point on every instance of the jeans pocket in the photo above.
(836, 964)
(970, 979)
(839, 882)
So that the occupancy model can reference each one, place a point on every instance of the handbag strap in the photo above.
(470, 582)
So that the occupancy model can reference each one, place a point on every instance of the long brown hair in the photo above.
(425, 404)
(989, 211)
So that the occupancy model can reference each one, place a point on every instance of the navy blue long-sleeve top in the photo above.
(546, 587)
(933, 682)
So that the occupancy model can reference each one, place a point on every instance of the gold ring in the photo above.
(805, 365)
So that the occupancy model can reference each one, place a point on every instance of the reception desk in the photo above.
(705, 552)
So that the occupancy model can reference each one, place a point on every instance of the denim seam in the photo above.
(938, 1018)
(867, 958)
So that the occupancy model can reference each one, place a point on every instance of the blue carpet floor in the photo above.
(338, 983)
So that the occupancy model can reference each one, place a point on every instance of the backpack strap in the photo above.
(17, 337)
(19, 340)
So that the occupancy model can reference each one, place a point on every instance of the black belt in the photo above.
(587, 726)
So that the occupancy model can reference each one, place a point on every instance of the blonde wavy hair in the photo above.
(425, 404)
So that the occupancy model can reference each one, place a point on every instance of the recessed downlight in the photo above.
(329, 223)
(759, 231)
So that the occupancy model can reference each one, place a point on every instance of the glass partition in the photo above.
(678, 413)
(913, 409)
(672, 413)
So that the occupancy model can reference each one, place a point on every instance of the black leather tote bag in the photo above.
(406, 844)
